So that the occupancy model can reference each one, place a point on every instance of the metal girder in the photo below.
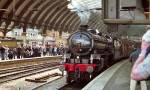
(51, 16)
(56, 14)
(60, 16)
(126, 21)
(11, 14)
(75, 24)
(31, 13)
(5, 6)
(23, 7)
(62, 21)
(48, 10)
(46, 16)
(72, 22)
(43, 17)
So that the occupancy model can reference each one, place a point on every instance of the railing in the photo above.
(133, 85)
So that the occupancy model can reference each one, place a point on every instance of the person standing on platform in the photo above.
(6, 52)
(2, 52)
(55, 50)
(134, 55)
(10, 53)
(141, 68)
(18, 52)
(50, 50)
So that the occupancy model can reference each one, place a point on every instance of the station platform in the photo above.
(117, 77)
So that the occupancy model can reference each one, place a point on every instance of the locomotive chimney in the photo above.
(83, 27)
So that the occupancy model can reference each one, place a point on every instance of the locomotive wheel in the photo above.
(109, 61)
(68, 80)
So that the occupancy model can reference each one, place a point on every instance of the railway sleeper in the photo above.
(43, 79)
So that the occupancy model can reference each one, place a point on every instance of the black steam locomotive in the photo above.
(89, 52)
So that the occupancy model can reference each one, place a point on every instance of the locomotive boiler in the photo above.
(83, 43)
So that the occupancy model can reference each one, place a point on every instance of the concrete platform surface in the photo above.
(121, 79)
(102, 80)
(116, 77)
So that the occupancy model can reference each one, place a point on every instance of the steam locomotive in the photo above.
(90, 51)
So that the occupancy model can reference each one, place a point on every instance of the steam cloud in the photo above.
(84, 17)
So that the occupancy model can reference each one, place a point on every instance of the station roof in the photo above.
(45, 14)
(48, 14)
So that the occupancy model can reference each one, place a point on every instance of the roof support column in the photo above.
(24, 34)
(44, 34)
(111, 10)
(5, 30)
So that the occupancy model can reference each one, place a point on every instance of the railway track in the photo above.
(73, 86)
(19, 72)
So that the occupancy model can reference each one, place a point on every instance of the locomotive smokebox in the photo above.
(83, 42)
(83, 27)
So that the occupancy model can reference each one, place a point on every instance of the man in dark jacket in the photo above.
(2, 52)
(18, 51)
(134, 55)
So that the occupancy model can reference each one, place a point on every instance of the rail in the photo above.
(134, 84)
(27, 61)
(19, 72)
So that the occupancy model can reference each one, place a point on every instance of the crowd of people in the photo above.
(28, 51)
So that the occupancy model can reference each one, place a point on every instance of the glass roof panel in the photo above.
(84, 8)
(85, 4)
